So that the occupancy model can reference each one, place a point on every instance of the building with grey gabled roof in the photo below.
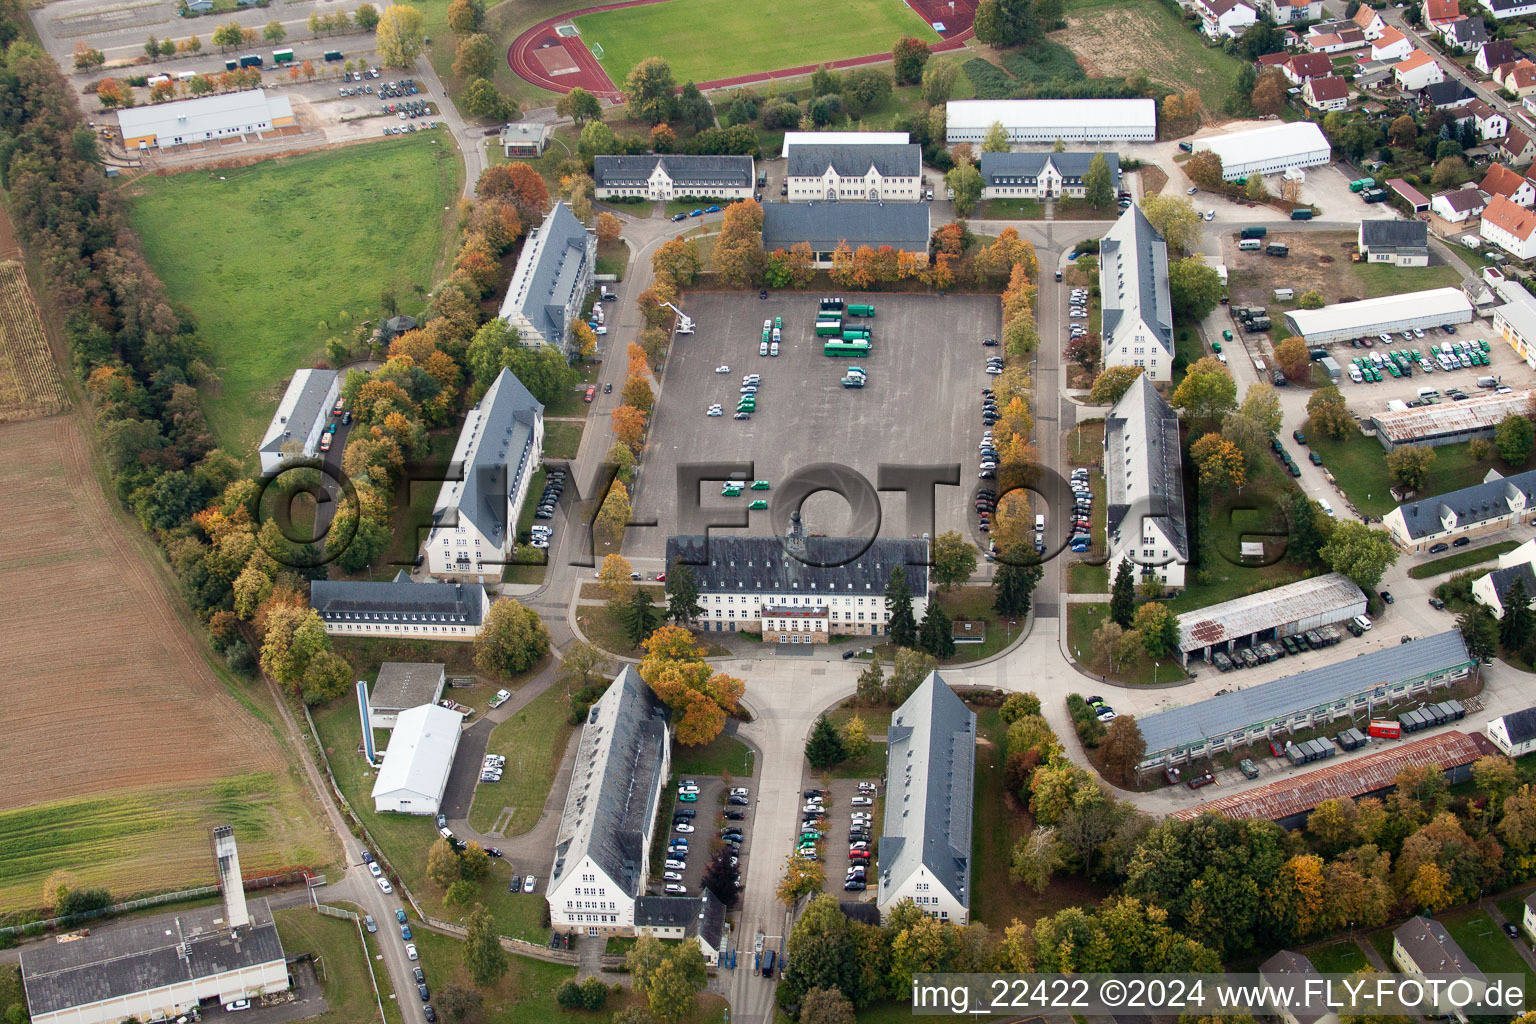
(1041, 175)
(155, 968)
(1493, 505)
(701, 918)
(1137, 314)
(1290, 969)
(603, 847)
(1514, 733)
(800, 589)
(852, 173)
(825, 226)
(1403, 243)
(1144, 481)
(552, 279)
(474, 522)
(930, 774)
(666, 176)
(300, 420)
(400, 608)
(403, 685)
(1422, 947)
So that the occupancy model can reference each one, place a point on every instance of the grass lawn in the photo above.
(724, 754)
(1378, 279)
(1462, 559)
(1512, 907)
(870, 766)
(340, 963)
(703, 42)
(1486, 944)
(334, 229)
(572, 402)
(976, 603)
(561, 440)
(1084, 619)
(1381, 941)
(1359, 464)
(1120, 38)
(1187, 348)
(613, 258)
(11, 992)
(1342, 957)
(524, 995)
(1011, 209)
(533, 741)
(1083, 578)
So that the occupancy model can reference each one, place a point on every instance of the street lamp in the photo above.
(1155, 666)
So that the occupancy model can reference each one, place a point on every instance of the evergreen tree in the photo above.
(825, 747)
(1481, 632)
(1098, 189)
(1306, 538)
(902, 624)
(1515, 626)
(483, 954)
(1122, 598)
(682, 594)
(871, 685)
(1013, 585)
(936, 636)
(638, 616)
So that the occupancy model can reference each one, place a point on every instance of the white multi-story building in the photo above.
(925, 843)
(1492, 589)
(665, 177)
(1286, 12)
(1225, 19)
(1047, 121)
(300, 420)
(842, 173)
(1417, 71)
(552, 279)
(1137, 320)
(400, 608)
(793, 589)
(474, 523)
(1041, 175)
(1145, 486)
(1509, 226)
(1477, 511)
(603, 848)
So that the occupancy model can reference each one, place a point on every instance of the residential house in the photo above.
(1225, 19)
(1446, 95)
(1422, 947)
(301, 420)
(1416, 71)
(1287, 12)
(1346, 36)
(1145, 486)
(1328, 93)
(1390, 45)
(1459, 205)
(1493, 53)
(1370, 21)
(1510, 227)
(881, 173)
(1292, 970)
(1488, 122)
(1304, 66)
(700, 918)
(1271, 60)
(603, 845)
(1503, 10)
(1440, 13)
(1492, 589)
(1468, 33)
(400, 608)
(1512, 185)
(1515, 734)
(551, 281)
(1517, 76)
(1516, 147)
(663, 177)
(925, 842)
(1041, 175)
(1137, 321)
(1402, 243)
(1478, 511)
(474, 523)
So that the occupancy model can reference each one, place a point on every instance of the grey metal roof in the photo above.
(1503, 579)
(930, 775)
(616, 784)
(1289, 695)
(1269, 609)
(1287, 967)
(890, 160)
(308, 407)
(1133, 249)
(398, 600)
(501, 453)
(1141, 463)
(1467, 32)
(406, 684)
(1521, 725)
(735, 565)
(143, 956)
(902, 226)
(683, 169)
(1026, 168)
(1472, 505)
(1433, 950)
(1394, 235)
(560, 263)
(1444, 94)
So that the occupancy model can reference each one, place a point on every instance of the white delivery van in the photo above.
(1327, 508)
(1039, 523)
(1251, 244)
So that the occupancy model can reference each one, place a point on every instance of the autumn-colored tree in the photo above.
(1220, 461)
(841, 272)
(613, 515)
(951, 238)
(1204, 169)
(1292, 358)
(1113, 382)
(637, 392)
(941, 274)
(678, 261)
(674, 667)
(862, 270)
(639, 361)
(663, 138)
(613, 579)
(629, 427)
(516, 182)
(608, 227)
(1270, 92)
(110, 92)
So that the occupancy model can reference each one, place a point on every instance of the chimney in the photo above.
(235, 913)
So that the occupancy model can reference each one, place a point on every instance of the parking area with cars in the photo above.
(840, 825)
(916, 401)
(706, 816)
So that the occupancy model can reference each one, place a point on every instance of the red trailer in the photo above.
(1385, 730)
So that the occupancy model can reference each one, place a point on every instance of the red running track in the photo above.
(522, 54)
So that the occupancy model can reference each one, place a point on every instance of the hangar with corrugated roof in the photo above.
(1284, 611)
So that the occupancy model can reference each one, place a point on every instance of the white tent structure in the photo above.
(418, 760)
(1271, 149)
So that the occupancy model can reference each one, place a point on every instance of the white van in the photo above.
(1251, 244)
(1283, 294)
(1039, 523)
(1354, 374)
(1327, 508)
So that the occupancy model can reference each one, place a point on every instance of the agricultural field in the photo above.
(705, 42)
(1112, 38)
(29, 383)
(98, 657)
(269, 256)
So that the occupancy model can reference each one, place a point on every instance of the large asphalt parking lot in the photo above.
(922, 405)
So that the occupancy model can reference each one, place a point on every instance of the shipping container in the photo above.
(1351, 739)
(1412, 721)
(1384, 729)
(1456, 710)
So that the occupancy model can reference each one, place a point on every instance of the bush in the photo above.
(1090, 731)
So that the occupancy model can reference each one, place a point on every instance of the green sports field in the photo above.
(707, 40)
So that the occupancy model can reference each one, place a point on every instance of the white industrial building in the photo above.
(1137, 312)
(161, 967)
(300, 420)
(1046, 121)
(603, 848)
(403, 685)
(204, 119)
(842, 139)
(1311, 603)
(1514, 733)
(1145, 486)
(474, 523)
(925, 843)
(1389, 314)
(400, 608)
(1268, 150)
(418, 761)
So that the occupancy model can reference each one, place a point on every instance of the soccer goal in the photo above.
(597, 50)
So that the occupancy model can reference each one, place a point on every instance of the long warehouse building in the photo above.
(1257, 713)
(1449, 423)
(1390, 314)
(1133, 120)
(1268, 150)
(1284, 611)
